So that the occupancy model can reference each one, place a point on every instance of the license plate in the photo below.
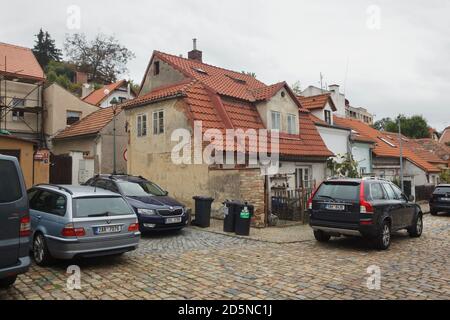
(445, 199)
(335, 207)
(173, 220)
(107, 229)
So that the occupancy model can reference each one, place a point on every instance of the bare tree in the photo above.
(104, 58)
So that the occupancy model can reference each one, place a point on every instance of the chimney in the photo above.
(195, 54)
(334, 88)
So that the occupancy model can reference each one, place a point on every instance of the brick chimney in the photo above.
(195, 54)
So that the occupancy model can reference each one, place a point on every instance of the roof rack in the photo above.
(55, 186)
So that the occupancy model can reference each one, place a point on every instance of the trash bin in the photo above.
(244, 213)
(202, 211)
(229, 213)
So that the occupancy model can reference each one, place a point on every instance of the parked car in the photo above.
(440, 199)
(155, 209)
(77, 221)
(370, 208)
(14, 222)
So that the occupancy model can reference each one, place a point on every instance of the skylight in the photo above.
(241, 81)
(388, 142)
(200, 70)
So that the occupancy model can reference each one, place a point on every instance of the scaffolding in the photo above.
(31, 103)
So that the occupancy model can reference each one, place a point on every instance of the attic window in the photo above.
(200, 70)
(283, 94)
(156, 68)
(241, 81)
(388, 142)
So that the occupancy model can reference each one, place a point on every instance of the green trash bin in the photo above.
(244, 214)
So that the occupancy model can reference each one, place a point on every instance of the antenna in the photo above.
(321, 82)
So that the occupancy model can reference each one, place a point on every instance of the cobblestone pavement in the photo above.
(201, 265)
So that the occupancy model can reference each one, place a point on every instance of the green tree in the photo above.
(251, 74)
(297, 88)
(62, 73)
(104, 58)
(343, 166)
(45, 49)
(415, 127)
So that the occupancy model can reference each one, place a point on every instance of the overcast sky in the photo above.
(389, 57)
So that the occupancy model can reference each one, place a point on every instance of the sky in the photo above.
(390, 57)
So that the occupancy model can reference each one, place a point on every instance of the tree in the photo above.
(104, 58)
(45, 49)
(346, 167)
(251, 74)
(62, 73)
(415, 127)
(297, 88)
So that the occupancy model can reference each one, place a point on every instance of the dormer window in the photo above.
(276, 120)
(156, 68)
(327, 114)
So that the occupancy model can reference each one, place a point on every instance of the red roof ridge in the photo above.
(111, 87)
(206, 64)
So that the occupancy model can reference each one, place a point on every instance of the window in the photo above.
(158, 122)
(376, 191)
(328, 116)
(390, 192)
(18, 103)
(338, 191)
(49, 202)
(100, 206)
(291, 122)
(156, 68)
(10, 189)
(72, 117)
(142, 125)
(302, 178)
(122, 99)
(276, 121)
(398, 192)
(387, 142)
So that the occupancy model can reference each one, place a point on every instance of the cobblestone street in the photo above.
(195, 264)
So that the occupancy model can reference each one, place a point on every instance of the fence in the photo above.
(424, 192)
(291, 205)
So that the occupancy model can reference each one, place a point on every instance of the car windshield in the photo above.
(337, 191)
(440, 190)
(132, 189)
(100, 206)
(152, 188)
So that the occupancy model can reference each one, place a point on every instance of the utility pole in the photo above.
(401, 153)
(113, 103)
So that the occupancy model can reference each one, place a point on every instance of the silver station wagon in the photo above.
(76, 221)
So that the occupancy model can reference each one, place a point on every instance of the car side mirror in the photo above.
(411, 198)
(166, 193)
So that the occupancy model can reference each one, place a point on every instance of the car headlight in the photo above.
(146, 212)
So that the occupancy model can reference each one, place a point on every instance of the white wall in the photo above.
(317, 171)
(336, 140)
(362, 154)
(320, 113)
(116, 94)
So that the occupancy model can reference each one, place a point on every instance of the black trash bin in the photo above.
(229, 215)
(202, 211)
(244, 213)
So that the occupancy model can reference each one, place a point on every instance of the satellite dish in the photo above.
(106, 92)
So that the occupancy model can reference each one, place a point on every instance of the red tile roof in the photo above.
(89, 125)
(317, 102)
(439, 149)
(224, 99)
(20, 62)
(386, 144)
(96, 97)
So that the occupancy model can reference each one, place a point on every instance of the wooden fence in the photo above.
(291, 205)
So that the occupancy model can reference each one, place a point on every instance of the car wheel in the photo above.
(433, 212)
(7, 282)
(321, 236)
(41, 254)
(415, 231)
(383, 240)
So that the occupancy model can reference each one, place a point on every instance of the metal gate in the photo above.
(60, 169)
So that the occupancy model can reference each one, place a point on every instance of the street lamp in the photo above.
(401, 153)
(114, 104)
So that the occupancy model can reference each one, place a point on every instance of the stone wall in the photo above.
(252, 190)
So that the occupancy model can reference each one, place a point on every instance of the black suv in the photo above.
(371, 208)
(440, 199)
(154, 208)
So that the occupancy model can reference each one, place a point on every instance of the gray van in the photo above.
(14, 222)
(77, 222)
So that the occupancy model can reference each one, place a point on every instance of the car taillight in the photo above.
(310, 200)
(133, 227)
(25, 226)
(364, 206)
(70, 231)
